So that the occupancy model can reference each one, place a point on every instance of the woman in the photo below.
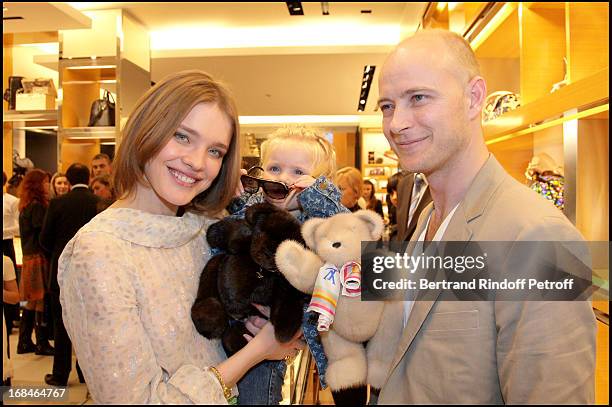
(102, 187)
(350, 184)
(369, 195)
(128, 313)
(59, 185)
(33, 202)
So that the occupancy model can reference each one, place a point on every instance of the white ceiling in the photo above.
(273, 80)
(38, 17)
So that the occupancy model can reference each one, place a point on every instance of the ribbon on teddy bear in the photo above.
(330, 283)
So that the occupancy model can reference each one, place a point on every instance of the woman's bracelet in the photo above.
(227, 392)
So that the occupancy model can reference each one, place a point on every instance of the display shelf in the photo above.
(29, 115)
(584, 92)
(89, 132)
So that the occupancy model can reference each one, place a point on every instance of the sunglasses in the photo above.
(274, 189)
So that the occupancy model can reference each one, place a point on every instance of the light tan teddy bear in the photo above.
(336, 244)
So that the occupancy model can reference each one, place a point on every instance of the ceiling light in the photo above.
(440, 6)
(325, 8)
(366, 82)
(452, 5)
(295, 8)
(302, 34)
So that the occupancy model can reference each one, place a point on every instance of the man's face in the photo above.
(424, 105)
(100, 166)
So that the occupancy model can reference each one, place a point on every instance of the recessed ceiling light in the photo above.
(295, 8)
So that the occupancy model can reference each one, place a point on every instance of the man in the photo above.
(65, 216)
(100, 165)
(480, 352)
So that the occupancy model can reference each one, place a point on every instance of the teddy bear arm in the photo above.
(299, 265)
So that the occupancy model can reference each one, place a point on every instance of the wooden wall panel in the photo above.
(78, 151)
(588, 33)
(542, 33)
(593, 182)
(514, 155)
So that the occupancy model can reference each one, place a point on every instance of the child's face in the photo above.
(287, 163)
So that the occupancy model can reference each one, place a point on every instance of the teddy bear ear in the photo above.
(373, 221)
(309, 229)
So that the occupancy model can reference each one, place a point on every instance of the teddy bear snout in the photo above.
(336, 245)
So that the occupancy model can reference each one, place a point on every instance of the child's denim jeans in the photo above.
(263, 383)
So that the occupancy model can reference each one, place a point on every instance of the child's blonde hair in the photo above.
(323, 153)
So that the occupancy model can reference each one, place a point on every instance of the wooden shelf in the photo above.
(29, 115)
(88, 132)
(584, 92)
(380, 165)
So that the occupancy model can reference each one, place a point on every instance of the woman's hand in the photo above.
(265, 340)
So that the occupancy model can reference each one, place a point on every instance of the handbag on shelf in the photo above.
(102, 111)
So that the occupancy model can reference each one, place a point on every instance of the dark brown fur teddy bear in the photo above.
(245, 273)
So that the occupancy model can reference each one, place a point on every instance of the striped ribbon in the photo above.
(327, 290)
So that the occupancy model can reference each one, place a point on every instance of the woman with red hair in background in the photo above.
(34, 199)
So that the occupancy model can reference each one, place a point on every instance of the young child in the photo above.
(306, 162)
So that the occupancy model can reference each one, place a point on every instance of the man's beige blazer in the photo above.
(485, 352)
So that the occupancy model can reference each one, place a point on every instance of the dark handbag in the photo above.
(11, 92)
(102, 111)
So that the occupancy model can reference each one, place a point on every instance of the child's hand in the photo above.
(240, 189)
(303, 182)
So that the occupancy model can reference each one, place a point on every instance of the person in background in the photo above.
(129, 277)
(33, 202)
(59, 185)
(100, 165)
(65, 216)
(10, 229)
(10, 295)
(369, 194)
(474, 352)
(350, 183)
(102, 187)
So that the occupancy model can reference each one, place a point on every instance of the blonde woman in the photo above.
(59, 185)
(129, 278)
(350, 184)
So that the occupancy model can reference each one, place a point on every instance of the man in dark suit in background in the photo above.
(412, 198)
(65, 216)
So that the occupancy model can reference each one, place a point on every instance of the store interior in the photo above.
(546, 65)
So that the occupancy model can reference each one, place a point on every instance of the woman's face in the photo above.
(101, 190)
(349, 195)
(61, 186)
(367, 191)
(188, 163)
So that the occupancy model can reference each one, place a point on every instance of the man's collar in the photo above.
(79, 186)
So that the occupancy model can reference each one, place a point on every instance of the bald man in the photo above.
(480, 352)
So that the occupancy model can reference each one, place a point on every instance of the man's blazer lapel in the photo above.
(404, 191)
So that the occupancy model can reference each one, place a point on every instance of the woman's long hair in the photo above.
(371, 200)
(32, 188)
